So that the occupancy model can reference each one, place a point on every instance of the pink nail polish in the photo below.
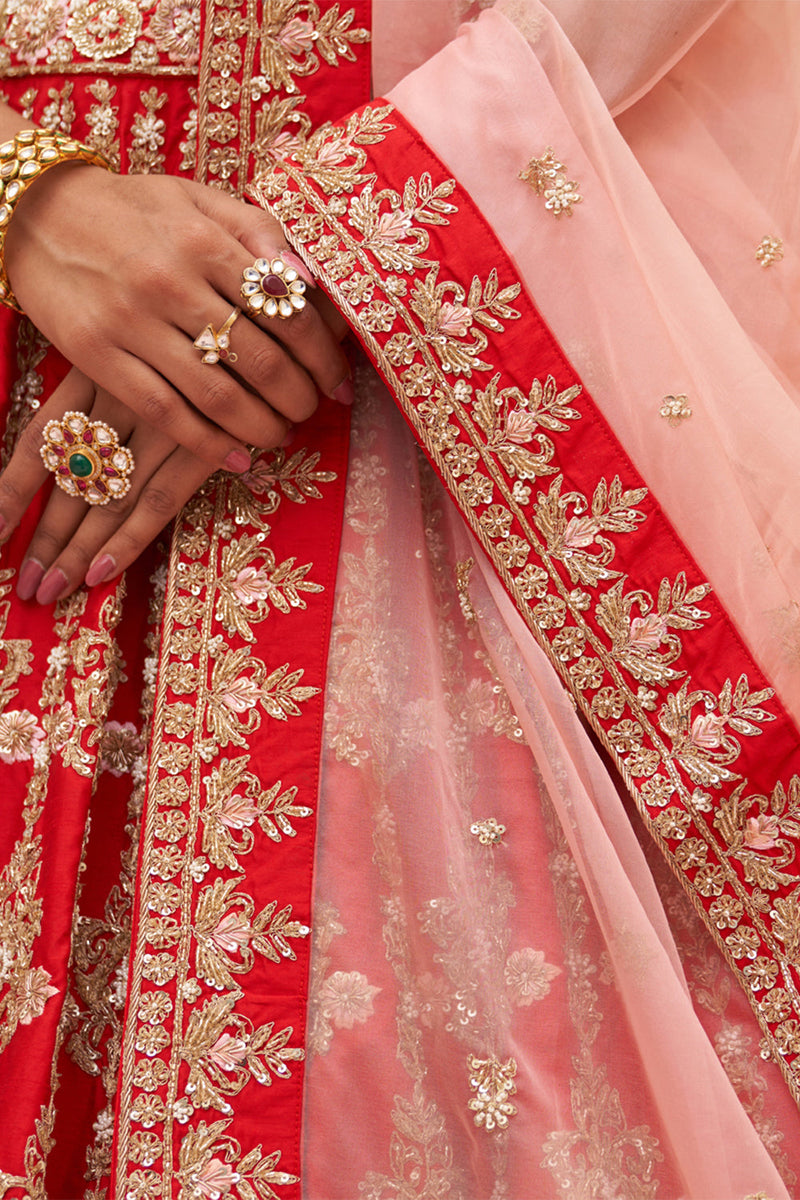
(30, 576)
(345, 393)
(237, 461)
(302, 270)
(100, 570)
(51, 587)
(288, 438)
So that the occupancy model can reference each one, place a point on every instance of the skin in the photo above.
(159, 259)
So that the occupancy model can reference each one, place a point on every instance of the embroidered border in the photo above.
(228, 835)
(585, 552)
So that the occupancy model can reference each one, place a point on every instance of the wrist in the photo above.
(24, 159)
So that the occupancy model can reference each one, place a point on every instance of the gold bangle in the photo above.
(29, 155)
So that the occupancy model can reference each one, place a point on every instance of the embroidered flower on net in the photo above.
(489, 831)
(546, 176)
(346, 997)
(769, 250)
(528, 976)
(20, 736)
(675, 409)
(493, 1083)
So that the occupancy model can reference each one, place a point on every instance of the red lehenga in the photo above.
(313, 880)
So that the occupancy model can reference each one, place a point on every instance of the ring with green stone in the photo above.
(86, 458)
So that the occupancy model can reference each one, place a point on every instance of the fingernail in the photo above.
(30, 576)
(51, 587)
(288, 438)
(302, 270)
(100, 570)
(345, 393)
(238, 461)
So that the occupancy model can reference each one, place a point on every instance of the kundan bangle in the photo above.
(29, 155)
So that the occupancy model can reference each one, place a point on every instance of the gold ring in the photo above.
(271, 288)
(215, 343)
(86, 458)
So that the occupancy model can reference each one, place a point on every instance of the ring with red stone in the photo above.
(271, 288)
(215, 343)
(86, 458)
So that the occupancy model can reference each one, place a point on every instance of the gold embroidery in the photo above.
(147, 136)
(92, 657)
(28, 386)
(103, 121)
(675, 409)
(197, 933)
(222, 1062)
(493, 1084)
(489, 831)
(37, 1148)
(661, 736)
(211, 1163)
(292, 41)
(45, 36)
(770, 250)
(546, 177)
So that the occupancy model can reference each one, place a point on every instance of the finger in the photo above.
(311, 340)
(26, 472)
(289, 393)
(68, 537)
(150, 395)
(162, 498)
(305, 334)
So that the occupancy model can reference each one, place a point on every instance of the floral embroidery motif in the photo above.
(493, 1084)
(346, 998)
(292, 41)
(675, 409)
(528, 976)
(145, 156)
(558, 548)
(489, 831)
(63, 737)
(212, 1163)
(102, 30)
(57, 37)
(769, 251)
(546, 176)
(209, 812)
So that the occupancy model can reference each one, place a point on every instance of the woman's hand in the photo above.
(123, 273)
(74, 542)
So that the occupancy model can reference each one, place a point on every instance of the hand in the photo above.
(73, 541)
(122, 273)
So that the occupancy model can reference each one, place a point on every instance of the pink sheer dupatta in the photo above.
(511, 995)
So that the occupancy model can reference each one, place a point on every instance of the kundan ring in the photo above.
(271, 288)
(215, 343)
(86, 458)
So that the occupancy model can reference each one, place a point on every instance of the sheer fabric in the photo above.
(483, 897)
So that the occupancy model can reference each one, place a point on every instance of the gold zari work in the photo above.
(54, 37)
(555, 548)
